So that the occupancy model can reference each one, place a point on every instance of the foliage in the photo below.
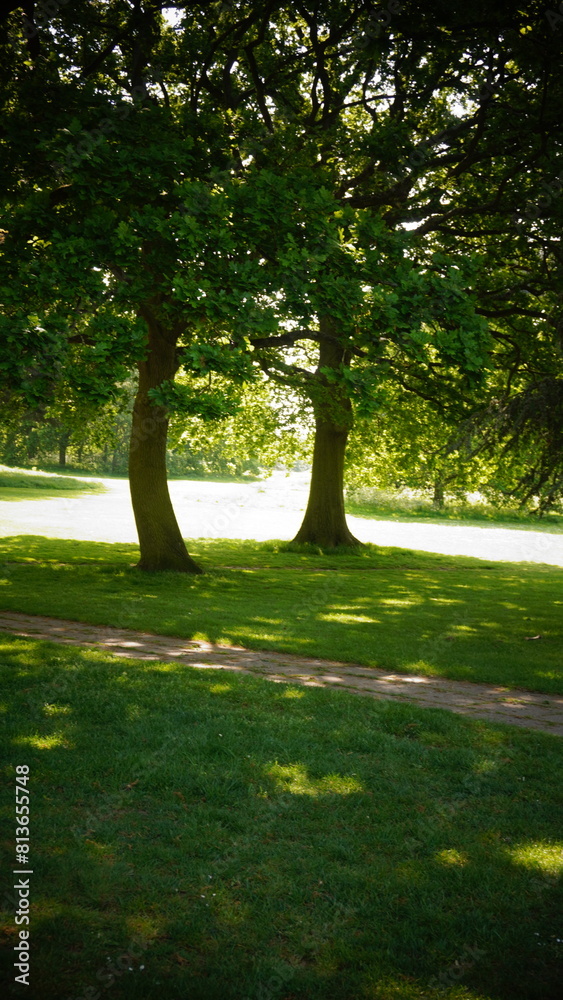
(526, 428)
(411, 505)
(407, 445)
(497, 452)
(267, 431)
(236, 179)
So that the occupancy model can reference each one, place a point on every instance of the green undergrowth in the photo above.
(463, 514)
(420, 613)
(205, 835)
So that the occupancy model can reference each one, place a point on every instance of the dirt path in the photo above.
(495, 704)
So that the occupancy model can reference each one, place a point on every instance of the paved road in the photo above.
(482, 701)
(264, 510)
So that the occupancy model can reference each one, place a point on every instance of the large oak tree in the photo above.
(210, 195)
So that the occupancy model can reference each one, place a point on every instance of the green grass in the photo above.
(415, 612)
(463, 514)
(20, 484)
(190, 476)
(239, 838)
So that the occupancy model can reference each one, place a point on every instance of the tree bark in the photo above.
(324, 522)
(161, 543)
(438, 496)
(63, 445)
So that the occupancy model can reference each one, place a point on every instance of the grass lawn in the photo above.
(216, 838)
(420, 613)
(462, 514)
(20, 484)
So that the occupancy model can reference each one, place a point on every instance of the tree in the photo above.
(113, 250)
(164, 230)
(408, 444)
(267, 430)
(397, 132)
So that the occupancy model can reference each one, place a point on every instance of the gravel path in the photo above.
(481, 701)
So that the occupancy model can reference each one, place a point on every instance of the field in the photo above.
(223, 837)
(217, 836)
(411, 611)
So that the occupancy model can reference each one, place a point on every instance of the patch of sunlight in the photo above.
(134, 712)
(294, 778)
(394, 989)
(421, 667)
(484, 766)
(349, 619)
(451, 857)
(158, 665)
(53, 709)
(398, 602)
(293, 693)
(547, 857)
(45, 742)
(220, 688)
(3, 707)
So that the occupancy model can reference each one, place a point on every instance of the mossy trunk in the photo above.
(161, 543)
(324, 523)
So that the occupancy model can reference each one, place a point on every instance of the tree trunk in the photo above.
(438, 497)
(161, 543)
(63, 445)
(324, 522)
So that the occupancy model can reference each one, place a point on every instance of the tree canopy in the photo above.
(211, 188)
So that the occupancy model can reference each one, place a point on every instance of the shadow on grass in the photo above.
(243, 839)
(413, 612)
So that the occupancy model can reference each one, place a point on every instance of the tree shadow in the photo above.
(239, 838)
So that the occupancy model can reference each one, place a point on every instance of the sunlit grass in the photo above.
(253, 834)
(389, 608)
(23, 484)
(385, 506)
(547, 858)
